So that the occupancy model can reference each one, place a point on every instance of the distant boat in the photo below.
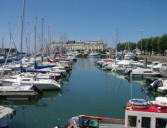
(94, 54)
(36, 66)
(129, 56)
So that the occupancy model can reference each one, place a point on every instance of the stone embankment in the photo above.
(153, 58)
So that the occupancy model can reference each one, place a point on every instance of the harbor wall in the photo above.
(153, 58)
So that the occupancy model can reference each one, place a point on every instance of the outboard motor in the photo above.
(128, 71)
(36, 89)
(155, 85)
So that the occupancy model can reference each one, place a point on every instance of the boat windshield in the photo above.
(165, 65)
(132, 121)
(147, 71)
(161, 123)
(84, 122)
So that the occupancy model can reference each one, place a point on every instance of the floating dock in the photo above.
(18, 95)
(6, 115)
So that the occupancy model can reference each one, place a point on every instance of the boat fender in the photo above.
(54, 76)
(70, 126)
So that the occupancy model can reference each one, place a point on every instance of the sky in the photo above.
(84, 19)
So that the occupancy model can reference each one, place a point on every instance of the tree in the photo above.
(163, 43)
(142, 45)
(120, 46)
(149, 45)
(155, 44)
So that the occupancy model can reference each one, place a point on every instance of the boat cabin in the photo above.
(141, 114)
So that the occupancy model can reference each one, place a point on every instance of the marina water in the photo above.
(88, 90)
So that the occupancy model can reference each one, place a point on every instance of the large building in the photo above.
(73, 45)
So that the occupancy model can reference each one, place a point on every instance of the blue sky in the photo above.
(86, 19)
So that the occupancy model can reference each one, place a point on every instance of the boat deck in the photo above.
(105, 122)
(111, 126)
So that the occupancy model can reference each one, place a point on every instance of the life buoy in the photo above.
(138, 104)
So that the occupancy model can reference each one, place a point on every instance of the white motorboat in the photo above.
(6, 116)
(42, 84)
(94, 54)
(16, 87)
(154, 63)
(13, 66)
(123, 65)
(50, 70)
(5, 69)
(48, 75)
(142, 72)
(129, 56)
(163, 70)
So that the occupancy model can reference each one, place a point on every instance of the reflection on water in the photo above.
(87, 90)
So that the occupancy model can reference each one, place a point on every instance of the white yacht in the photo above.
(42, 84)
(94, 54)
(163, 70)
(142, 72)
(129, 56)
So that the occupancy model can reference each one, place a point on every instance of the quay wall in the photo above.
(153, 58)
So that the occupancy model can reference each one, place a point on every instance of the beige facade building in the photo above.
(79, 45)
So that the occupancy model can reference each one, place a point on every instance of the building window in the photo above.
(132, 121)
(161, 123)
(146, 122)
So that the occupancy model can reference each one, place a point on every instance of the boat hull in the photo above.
(46, 87)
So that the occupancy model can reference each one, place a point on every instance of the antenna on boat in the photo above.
(143, 90)
(35, 29)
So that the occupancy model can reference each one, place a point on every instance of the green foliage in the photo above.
(146, 45)
(130, 46)
(163, 43)
(155, 44)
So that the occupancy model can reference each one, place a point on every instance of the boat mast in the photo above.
(42, 33)
(49, 41)
(22, 29)
(35, 49)
(42, 38)
(116, 41)
(2, 45)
